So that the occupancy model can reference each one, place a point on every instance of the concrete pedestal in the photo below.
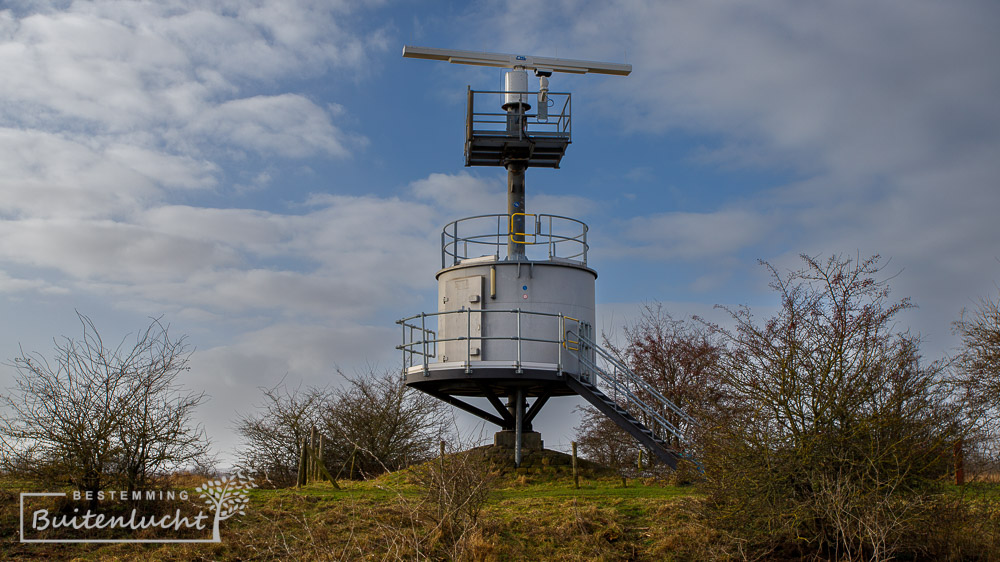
(530, 440)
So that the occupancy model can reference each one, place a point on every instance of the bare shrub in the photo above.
(371, 425)
(680, 360)
(98, 415)
(456, 487)
(831, 431)
(378, 424)
(602, 441)
(977, 374)
(271, 435)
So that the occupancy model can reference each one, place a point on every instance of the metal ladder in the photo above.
(623, 383)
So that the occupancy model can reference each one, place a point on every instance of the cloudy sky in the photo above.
(271, 177)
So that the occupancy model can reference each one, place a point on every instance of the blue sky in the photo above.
(272, 177)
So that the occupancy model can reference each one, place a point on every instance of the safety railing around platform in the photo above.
(573, 341)
(552, 116)
(545, 237)
(420, 343)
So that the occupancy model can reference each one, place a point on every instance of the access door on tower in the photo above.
(463, 325)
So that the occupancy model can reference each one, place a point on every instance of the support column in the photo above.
(518, 438)
(519, 433)
(519, 401)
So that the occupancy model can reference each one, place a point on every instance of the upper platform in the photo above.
(495, 137)
(546, 238)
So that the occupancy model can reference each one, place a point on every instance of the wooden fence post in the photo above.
(300, 479)
(576, 474)
(319, 459)
(959, 464)
(313, 466)
(441, 460)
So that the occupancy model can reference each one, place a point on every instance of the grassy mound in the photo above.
(535, 513)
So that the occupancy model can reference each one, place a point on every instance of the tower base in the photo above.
(530, 440)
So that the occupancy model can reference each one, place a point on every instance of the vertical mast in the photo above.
(516, 105)
(515, 209)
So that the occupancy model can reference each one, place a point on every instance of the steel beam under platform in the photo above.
(451, 382)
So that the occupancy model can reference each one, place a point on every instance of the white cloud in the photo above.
(851, 87)
(115, 110)
(51, 175)
(106, 250)
(153, 87)
(466, 195)
(688, 235)
(462, 193)
(10, 284)
(352, 254)
(310, 351)
(288, 125)
(259, 231)
(167, 170)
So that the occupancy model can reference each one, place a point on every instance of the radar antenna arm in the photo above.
(500, 60)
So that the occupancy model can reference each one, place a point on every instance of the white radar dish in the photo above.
(540, 64)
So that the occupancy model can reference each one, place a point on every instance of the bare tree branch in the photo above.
(99, 415)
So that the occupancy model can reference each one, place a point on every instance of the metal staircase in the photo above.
(632, 393)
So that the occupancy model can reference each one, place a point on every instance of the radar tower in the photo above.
(516, 308)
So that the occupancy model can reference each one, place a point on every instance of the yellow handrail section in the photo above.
(523, 235)
(568, 341)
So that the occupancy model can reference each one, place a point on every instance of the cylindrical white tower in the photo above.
(524, 312)
(505, 319)
(509, 324)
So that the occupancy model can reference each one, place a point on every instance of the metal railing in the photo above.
(623, 382)
(493, 121)
(420, 343)
(546, 236)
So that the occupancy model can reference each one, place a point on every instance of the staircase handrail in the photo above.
(618, 387)
(622, 368)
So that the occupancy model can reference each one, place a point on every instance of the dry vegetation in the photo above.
(469, 511)
(474, 510)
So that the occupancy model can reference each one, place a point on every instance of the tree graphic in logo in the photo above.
(227, 497)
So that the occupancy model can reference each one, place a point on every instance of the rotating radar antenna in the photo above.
(525, 139)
